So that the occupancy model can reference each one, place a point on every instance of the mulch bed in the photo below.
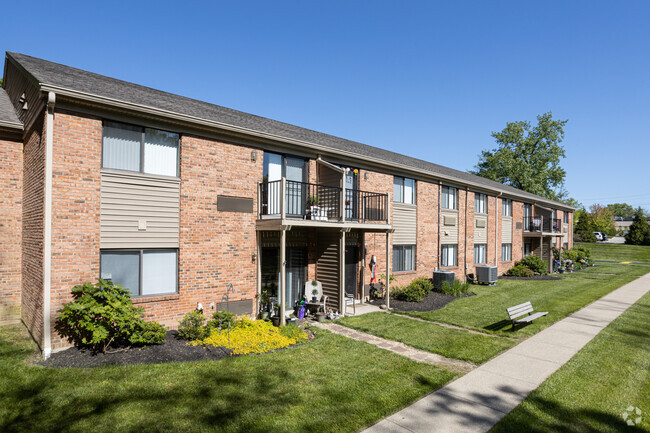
(536, 277)
(433, 301)
(174, 349)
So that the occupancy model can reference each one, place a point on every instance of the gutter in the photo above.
(11, 125)
(47, 227)
(89, 97)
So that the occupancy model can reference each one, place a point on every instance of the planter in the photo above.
(265, 315)
(314, 299)
(320, 317)
(561, 270)
(275, 320)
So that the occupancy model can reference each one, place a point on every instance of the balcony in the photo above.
(542, 225)
(302, 203)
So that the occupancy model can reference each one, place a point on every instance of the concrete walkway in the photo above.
(399, 348)
(477, 401)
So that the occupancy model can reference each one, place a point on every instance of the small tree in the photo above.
(639, 233)
(583, 226)
(603, 219)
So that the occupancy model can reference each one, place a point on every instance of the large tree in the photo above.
(528, 157)
(602, 219)
(583, 226)
(622, 210)
(639, 233)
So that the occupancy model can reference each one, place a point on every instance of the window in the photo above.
(565, 246)
(403, 258)
(403, 190)
(145, 150)
(566, 217)
(528, 250)
(506, 204)
(506, 252)
(449, 199)
(449, 255)
(480, 254)
(142, 272)
(480, 203)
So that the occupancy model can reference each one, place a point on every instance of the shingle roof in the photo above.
(55, 74)
(7, 112)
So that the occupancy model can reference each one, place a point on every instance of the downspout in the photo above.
(466, 211)
(439, 247)
(47, 227)
(496, 234)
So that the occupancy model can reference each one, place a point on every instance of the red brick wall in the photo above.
(32, 230)
(427, 249)
(470, 226)
(517, 233)
(492, 254)
(11, 195)
(76, 183)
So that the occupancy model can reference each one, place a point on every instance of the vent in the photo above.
(486, 274)
(480, 223)
(440, 276)
(449, 221)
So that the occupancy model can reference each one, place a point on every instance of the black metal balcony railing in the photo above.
(540, 224)
(321, 202)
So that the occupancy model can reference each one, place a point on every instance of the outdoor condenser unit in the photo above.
(440, 276)
(486, 274)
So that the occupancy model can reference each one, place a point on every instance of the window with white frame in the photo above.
(144, 150)
(480, 254)
(480, 203)
(449, 198)
(566, 217)
(449, 255)
(403, 258)
(403, 190)
(506, 205)
(506, 252)
(142, 272)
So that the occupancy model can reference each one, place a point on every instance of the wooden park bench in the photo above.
(521, 310)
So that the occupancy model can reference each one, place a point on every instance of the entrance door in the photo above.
(296, 275)
(351, 263)
(351, 199)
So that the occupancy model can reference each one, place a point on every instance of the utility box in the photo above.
(487, 274)
(440, 276)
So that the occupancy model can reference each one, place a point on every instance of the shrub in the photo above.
(149, 333)
(220, 320)
(520, 271)
(456, 288)
(191, 327)
(534, 263)
(410, 293)
(255, 337)
(102, 315)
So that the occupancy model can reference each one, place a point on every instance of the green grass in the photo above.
(595, 387)
(452, 343)
(618, 252)
(487, 310)
(331, 384)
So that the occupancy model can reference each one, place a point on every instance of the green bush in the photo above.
(534, 263)
(456, 288)
(149, 333)
(192, 326)
(292, 331)
(424, 283)
(416, 291)
(220, 320)
(520, 271)
(102, 315)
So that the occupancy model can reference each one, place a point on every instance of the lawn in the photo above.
(618, 252)
(487, 310)
(332, 384)
(591, 392)
(451, 343)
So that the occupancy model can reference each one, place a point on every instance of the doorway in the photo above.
(296, 273)
(351, 270)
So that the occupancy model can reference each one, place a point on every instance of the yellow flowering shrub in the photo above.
(255, 336)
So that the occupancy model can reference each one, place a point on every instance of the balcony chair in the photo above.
(349, 299)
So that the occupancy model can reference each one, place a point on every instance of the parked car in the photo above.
(604, 236)
(599, 236)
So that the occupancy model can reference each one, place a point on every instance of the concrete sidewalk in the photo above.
(477, 401)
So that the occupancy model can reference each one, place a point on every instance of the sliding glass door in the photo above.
(295, 170)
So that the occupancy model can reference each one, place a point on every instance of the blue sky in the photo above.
(428, 79)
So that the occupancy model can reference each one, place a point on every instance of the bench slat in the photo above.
(532, 317)
(523, 313)
(519, 310)
(520, 306)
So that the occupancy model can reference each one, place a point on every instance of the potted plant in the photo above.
(314, 209)
(314, 295)
(265, 302)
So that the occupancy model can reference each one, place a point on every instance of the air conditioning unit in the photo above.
(440, 276)
(487, 274)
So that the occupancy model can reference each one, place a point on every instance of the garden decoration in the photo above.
(230, 289)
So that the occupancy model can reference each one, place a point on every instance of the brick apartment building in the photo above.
(176, 199)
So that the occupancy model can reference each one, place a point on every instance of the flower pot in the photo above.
(275, 320)
(314, 299)
(265, 315)
(320, 317)
(561, 270)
